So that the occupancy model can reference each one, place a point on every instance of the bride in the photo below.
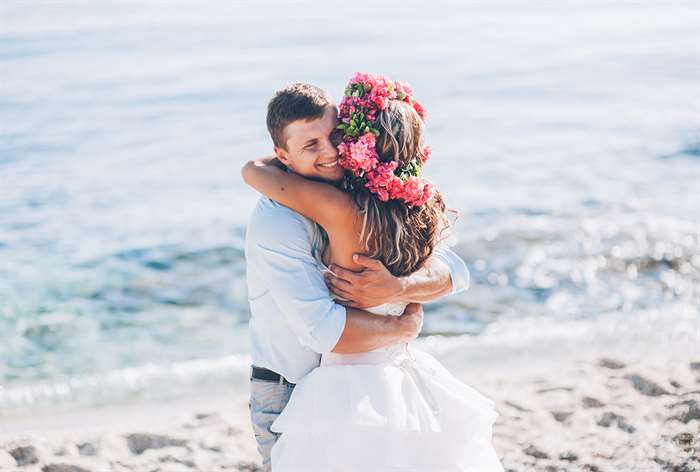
(394, 408)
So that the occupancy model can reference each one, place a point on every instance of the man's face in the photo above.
(310, 150)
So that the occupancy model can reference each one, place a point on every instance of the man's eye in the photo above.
(336, 137)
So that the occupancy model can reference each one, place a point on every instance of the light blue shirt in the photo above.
(293, 317)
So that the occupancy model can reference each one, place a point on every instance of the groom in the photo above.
(293, 317)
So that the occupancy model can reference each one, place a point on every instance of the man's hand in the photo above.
(412, 320)
(372, 286)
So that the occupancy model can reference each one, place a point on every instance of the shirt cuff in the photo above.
(458, 270)
(327, 333)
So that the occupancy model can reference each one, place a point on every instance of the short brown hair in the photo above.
(294, 102)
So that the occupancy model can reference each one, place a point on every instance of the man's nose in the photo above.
(329, 150)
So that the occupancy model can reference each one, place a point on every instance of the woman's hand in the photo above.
(268, 161)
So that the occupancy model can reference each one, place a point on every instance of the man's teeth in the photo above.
(331, 164)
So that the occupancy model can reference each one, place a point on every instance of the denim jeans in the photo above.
(267, 400)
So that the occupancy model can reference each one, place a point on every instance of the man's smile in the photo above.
(328, 165)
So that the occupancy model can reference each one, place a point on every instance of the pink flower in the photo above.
(359, 156)
(369, 95)
(425, 154)
(404, 89)
(420, 110)
(380, 180)
(416, 191)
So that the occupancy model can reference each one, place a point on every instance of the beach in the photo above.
(565, 136)
(624, 407)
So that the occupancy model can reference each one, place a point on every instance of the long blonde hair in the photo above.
(402, 237)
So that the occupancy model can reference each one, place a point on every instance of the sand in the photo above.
(562, 412)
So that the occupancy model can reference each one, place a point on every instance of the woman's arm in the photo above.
(318, 201)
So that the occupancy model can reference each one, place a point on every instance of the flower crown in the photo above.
(366, 96)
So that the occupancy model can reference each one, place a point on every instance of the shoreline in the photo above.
(596, 411)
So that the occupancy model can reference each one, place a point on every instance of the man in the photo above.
(293, 317)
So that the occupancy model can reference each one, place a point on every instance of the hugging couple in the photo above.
(341, 249)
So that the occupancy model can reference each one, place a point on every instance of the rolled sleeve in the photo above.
(280, 251)
(458, 268)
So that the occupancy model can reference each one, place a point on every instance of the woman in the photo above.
(395, 408)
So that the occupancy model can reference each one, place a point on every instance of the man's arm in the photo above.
(443, 274)
(279, 250)
(365, 332)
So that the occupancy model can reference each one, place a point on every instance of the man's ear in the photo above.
(282, 155)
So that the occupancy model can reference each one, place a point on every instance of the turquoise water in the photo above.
(567, 136)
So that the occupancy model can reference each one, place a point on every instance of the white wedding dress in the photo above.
(392, 409)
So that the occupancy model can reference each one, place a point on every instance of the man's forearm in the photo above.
(427, 284)
(365, 332)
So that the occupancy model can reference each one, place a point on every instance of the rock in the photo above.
(203, 419)
(685, 441)
(675, 383)
(24, 455)
(516, 406)
(611, 364)
(609, 418)
(533, 451)
(646, 386)
(555, 389)
(590, 402)
(211, 442)
(185, 462)
(87, 449)
(139, 442)
(76, 464)
(553, 468)
(668, 466)
(7, 461)
(561, 416)
(59, 467)
(248, 467)
(591, 468)
(625, 426)
(568, 456)
(172, 454)
(689, 411)
(695, 366)
(67, 449)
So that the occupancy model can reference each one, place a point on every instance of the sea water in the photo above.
(566, 135)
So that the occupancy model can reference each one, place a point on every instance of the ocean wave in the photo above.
(150, 381)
